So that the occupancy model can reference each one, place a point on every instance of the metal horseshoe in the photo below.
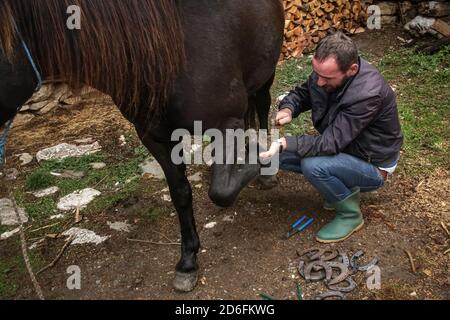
(317, 277)
(343, 274)
(354, 265)
(318, 251)
(322, 255)
(351, 286)
(330, 294)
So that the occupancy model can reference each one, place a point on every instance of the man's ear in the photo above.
(353, 70)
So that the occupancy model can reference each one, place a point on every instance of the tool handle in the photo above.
(297, 223)
(306, 225)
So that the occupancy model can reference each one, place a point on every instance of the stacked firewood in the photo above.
(308, 21)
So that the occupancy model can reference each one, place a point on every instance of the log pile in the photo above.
(308, 21)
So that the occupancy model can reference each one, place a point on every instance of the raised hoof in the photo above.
(267, 182)
(185, 282)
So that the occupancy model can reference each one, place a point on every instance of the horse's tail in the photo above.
(7, 32)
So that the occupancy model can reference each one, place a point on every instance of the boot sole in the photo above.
(342, 239)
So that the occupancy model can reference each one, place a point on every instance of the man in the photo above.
(355, 112)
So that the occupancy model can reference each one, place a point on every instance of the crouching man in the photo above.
(355, 112)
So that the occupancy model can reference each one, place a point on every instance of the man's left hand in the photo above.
(275, 148)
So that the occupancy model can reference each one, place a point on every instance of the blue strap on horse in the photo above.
(4, 135)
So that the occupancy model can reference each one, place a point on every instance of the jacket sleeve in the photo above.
(298, 100)
(346, 127)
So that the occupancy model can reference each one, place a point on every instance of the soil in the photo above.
(249, 256)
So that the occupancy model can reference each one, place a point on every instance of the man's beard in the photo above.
(331, 89)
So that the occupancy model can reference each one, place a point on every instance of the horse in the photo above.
(166, 64)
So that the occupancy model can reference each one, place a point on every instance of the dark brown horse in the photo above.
(166, 64)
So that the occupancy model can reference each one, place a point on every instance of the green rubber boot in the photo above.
(348, 220)
(328, 206)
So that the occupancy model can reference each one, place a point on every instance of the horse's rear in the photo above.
(232, 49)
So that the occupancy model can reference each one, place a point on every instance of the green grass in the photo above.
(13, 271)
(113, 181)
(423, 97)
(292, 73)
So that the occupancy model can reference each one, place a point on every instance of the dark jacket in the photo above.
(360, 119)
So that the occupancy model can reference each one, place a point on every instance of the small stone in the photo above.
(65, 150)
(195, 177)
(58, 216)
(152, 170)
(228, 219)
(78, 199)
(97, 165)
(210, 225)
(25, 158)
(9, 234)
(69, 174)
(11, 174)
(120, 226)
(82, 236)
(22, 119)
(45, 192)
(8, 215)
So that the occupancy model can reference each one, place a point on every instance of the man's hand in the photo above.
(275, 148)
(284, 116)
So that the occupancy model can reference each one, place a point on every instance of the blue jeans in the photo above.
(334, 176)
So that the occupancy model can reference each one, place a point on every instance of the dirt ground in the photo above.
(249, 256)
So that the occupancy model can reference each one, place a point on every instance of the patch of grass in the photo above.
(39, 179)
(13, 272)
(151, 214)
(423, 98)
(8, 288)
(113, 198)
(292, 73)
(41, 209)
(116, 181)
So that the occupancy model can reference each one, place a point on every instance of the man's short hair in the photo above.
(340, 47)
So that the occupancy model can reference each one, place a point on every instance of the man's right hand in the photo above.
(284, 116)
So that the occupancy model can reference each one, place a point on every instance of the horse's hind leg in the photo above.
(181, 193)
(263, 101)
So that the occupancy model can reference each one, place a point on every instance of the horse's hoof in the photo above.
(185, 282)
(267, 182)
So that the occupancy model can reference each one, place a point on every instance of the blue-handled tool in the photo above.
(298, 227)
